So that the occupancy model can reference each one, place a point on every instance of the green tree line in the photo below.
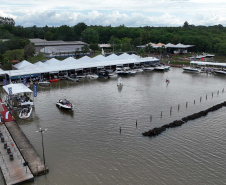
(205, 38)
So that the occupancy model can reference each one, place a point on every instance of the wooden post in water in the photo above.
(136, 123)
(161, 114)
(186, 104)
(150, 118)
(120, 130)
(200, 98)
(178, 107)
(206, 97)
(194, 101)
(223, 90)
(218, 92)
(212, 94)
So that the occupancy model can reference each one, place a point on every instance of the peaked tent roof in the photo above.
(17, 88)
(22, 64)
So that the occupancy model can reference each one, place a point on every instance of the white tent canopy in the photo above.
(17, 88)
(70, 63)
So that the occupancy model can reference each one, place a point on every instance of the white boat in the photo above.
(159, 68)
(131, 72)
(112, 75)
(73, 78)
(119, 83)
(25, 112)
(190, 69)
(92, 76)
(138, 70)
(64, 104)
(43, 83)
(121, 71)
(148, 69)
(221, 72)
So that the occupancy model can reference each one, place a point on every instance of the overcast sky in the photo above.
(114, 12)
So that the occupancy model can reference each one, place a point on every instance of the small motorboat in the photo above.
(119, 83)
(54, 80)
(44, 83)
(64, 104)
(25, 112)
(73, 78)
(190, 69)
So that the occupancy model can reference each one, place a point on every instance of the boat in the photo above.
(220, 72)
(54, 80)
(148, 69)
(43, 83)
(190, 69)
(103, 74)
(64, 104)
(119, 83)
(73, 78)
(121, 71)
(25, 112)
(92, 76)
(138, 70)
(112, 75)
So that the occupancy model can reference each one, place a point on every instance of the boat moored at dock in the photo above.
(190, 69)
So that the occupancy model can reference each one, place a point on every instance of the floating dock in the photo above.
(26, 163)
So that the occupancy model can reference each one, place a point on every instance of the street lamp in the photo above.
(41, 131)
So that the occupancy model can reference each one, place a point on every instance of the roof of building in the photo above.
(43, 42)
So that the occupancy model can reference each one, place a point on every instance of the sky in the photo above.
(131, 13)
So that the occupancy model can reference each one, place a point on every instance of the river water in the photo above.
(85, 147)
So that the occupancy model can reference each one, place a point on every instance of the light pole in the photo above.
(41, 131)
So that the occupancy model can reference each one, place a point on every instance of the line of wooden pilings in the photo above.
(178, 108)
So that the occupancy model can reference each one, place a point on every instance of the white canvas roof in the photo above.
(208, 63)
(17, 88)
(71, 63)
(22, 64)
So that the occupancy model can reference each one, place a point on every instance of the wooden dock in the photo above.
(30, 155)
(26, 163)
(14, 171)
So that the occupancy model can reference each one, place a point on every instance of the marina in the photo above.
(101, 140)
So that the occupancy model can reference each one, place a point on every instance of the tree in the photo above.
(140, 52)
(186, 24)
(9, 56)
(7, 21)
(78, 29)
(148, 48)
(90, 35)
(85, 48)
(29, 50)
(126, 46)
(94, 46)
(65, 33)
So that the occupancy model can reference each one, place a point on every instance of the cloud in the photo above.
(115, 12)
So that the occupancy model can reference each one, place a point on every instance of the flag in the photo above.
(25, 81)
(35, 90)
(202, 59)
(7, 115)
(103, 52)
(4, 82)
(10, 92)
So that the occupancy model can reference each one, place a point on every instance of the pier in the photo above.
(14, 170)
(26, 163)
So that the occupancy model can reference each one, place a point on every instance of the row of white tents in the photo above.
(70, 63)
